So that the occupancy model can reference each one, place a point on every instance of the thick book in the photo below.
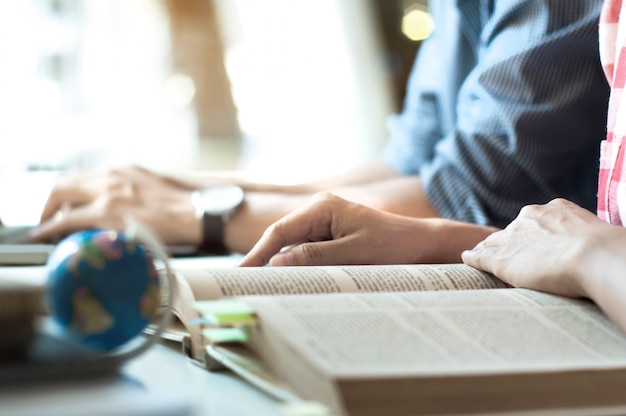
(199, 284)
(19, 305)
(425, 352)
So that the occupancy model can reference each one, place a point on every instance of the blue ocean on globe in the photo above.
(102, 288)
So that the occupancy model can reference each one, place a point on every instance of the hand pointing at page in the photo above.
(331, 230)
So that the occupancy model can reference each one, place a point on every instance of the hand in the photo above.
(552, 248)
(102, 200)
(331, 230)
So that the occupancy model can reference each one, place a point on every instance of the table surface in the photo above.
(164, 370)
(163, 380)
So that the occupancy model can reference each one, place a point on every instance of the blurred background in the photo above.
(283, 90)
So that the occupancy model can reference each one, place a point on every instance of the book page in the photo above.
(215, 283)
(508, 330)
(195, 284)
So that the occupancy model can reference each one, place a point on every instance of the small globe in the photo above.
(103, 288)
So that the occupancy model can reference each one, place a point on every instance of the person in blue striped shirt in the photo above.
(506, 106)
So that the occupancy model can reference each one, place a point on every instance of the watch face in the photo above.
(217, 200)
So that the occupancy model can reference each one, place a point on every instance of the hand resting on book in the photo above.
(560, 248)
(331, 230)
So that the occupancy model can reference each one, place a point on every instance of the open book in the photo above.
(426, 352)
(196, 284)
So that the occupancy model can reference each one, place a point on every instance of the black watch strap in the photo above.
(213, 234)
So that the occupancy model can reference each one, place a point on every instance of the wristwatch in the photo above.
(214, 206)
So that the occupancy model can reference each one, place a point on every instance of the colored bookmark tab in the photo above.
(227, 312)
(305, 408)
(202, 321)
(221, 335)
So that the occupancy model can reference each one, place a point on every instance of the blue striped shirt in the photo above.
(506, 106)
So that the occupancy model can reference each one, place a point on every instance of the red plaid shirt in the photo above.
(612, 180)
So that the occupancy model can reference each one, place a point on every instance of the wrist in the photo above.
(451, 238)
(602, 279)
(214, 206)
(592, 267)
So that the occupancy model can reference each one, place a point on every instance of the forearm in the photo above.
(400, 195)
(372, 172)
(601, 275)
(259, 211)
(369, 172)
(445, 240)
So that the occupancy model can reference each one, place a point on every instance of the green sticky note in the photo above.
(227, 312)
(220, 335)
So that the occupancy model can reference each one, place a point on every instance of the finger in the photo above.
(133, 173)
(305, 254)
(332, 252)
(480, 257)
(495, 239)
(69, 190)
(137, 174)
(308, 224)
(84, 187)
(273, 240)
(60, 197)
(54, 230)
(472, 258)
(75, 220)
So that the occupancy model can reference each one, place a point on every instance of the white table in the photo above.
(160, 382)
(165, 370)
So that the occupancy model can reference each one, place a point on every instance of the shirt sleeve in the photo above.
(514, 118)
